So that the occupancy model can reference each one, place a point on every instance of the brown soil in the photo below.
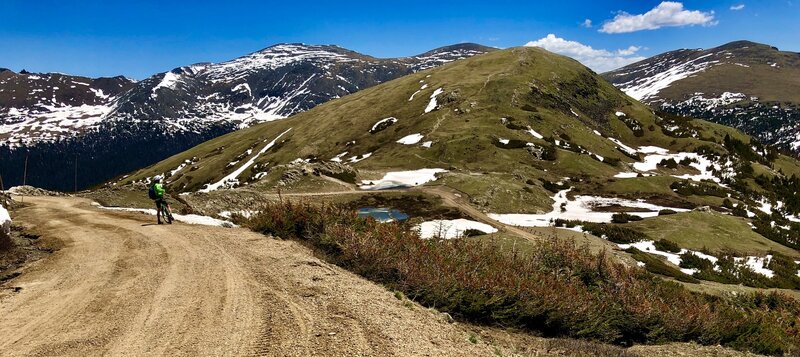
(122, 286)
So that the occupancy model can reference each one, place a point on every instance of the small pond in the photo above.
(382, 214)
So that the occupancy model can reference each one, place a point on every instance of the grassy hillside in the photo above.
(750, 86)
(527, 138)
(483, 99)
(512, 128)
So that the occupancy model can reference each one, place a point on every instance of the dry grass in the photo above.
(558, 289)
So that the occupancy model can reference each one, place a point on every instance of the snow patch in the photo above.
(185, 218)
(648, 86)
(169, 81)
(410, 139)
(534, 133)
(579, 209)
(5, 220)
(380, 122)
(231, 178)
(432, 104)
(402, 179)
(449, 229)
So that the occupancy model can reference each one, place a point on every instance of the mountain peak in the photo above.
(466, 46)
(728, 84)
(203, 100)
(745, 45)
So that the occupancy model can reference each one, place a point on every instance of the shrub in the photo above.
(668, 163)
(658, 266)
(666, 212)
(5, 240)
(688, 188)
(550, 153)
(691, 261)
(554, 186)
(687, 161)
(666, 245)
(559, 289)
(616, 234)
(624, 218)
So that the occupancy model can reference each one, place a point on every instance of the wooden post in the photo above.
(76, 174)
(24, 178)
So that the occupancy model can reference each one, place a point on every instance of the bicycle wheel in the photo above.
(167, 214)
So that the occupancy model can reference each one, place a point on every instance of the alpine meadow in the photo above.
(509, 199)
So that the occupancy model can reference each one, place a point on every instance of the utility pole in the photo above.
(76, 173)
(24, 178)
(25, 172)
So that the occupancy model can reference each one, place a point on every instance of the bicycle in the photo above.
(164, 211)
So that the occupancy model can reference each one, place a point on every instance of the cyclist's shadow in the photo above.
(149, 224)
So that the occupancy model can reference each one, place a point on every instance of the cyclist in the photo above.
(156, 193)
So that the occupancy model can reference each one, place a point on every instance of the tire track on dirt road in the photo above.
(123, 286)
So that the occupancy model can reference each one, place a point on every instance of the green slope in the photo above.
(502, 96)
(529, 87)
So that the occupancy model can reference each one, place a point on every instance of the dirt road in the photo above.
(122, 286)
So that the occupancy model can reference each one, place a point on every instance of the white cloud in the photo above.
(737, 7)
(600, 60)
(587, 23)
(666, 14)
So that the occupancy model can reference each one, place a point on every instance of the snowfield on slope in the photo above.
(400, 179)
(432, 104)
(580, 209)
(231, 178)
(647, 87)
(5, 221)
(449, 229)
(410, 139)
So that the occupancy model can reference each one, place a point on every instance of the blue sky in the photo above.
(140, 38)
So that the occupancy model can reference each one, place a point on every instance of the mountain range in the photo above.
(747, 85)
(109, 126)
(114, 125)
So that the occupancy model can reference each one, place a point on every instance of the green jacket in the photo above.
(159, 188)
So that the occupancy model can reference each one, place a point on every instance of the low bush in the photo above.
(689, 188)
(666, 212)
(669, 163)
(657, 266)
(692, 261)
(614, 233)
(666, 245)
(5, 240)
(557, 289)
(624, 218)
(554, 186)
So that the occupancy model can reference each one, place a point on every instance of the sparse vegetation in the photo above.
(624, 218)
(657, 266)
(614, 233)
(689, 188)
(558, 289)
(667, 246)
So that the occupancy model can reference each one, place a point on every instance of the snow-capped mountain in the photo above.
(53, 106)
(269, 84)
(750, 86)
(185, 106)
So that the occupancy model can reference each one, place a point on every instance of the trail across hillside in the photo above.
(123, 286)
